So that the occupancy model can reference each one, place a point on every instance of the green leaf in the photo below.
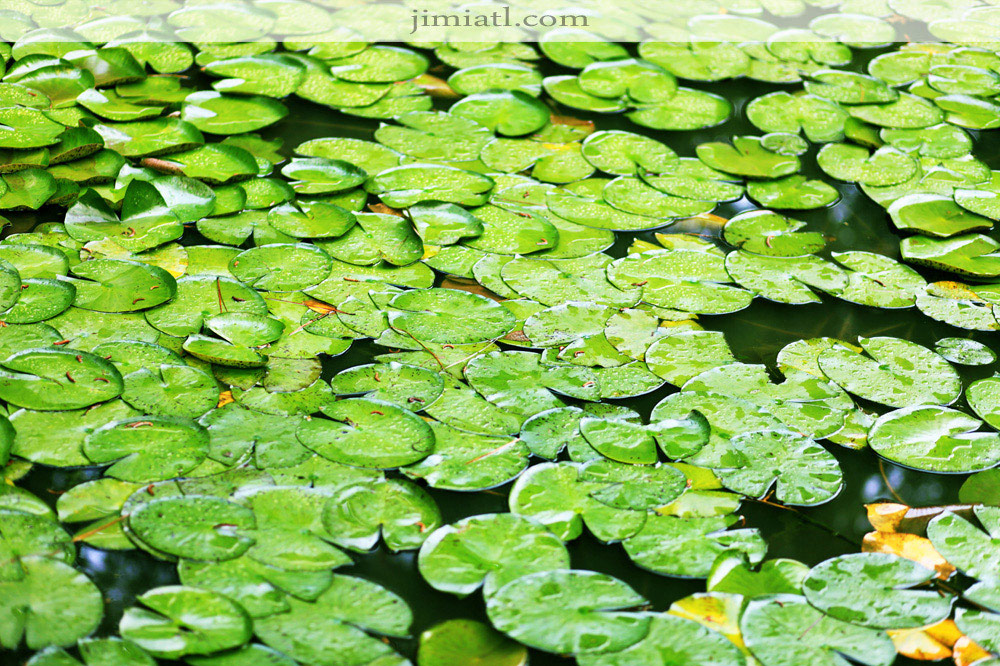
(965, 545)
(193, 527)
(22, 127)
(507, 112)
(964, 351)
(469, 460)
(934, 439)
(569, 611)
(520, 383)
(488, 551)
(873, 590)
(561, 497)
(147, 449)
(789, 280)
(368, 433)
(179, 621)
(821, 120)
(768, 233)
(687, 547)
(467, 641)
(672, 640)
(402, 513)
(935, 215)
(898, 374)
(747, 157)
(449, 316)
(555, 282)
(784, 630)
(57, 379)
(281, 266)
(56, 438)
(334, 629)
(409, 184)
(217, 113)
(52, 604)
(886, 166)
(974, 255)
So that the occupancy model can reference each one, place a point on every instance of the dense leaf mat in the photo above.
(255, 375)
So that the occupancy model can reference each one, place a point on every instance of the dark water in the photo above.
(755, 335)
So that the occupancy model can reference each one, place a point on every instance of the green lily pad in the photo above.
(626, 153)
(569, 611)
(495, 76)
(638, 80)
(57, 379)
(687, 109)
(51, 604)
(819, 119)
(320, 175)
(460, 641)
(872, 590)
(785, 279)
(935, 439)
(487, 552)
(907, 112)
(464, 409)
(775, 630)
(449, 316)
(561, 497)
(199, 297)
(379, 64)
(687, 547)
(467, 461)
(849, 87)
(518, 382)
(368, 433)
(768, 233)
(336, 629)
(281, 266)
(672, 638)
(877, 280)
(218, 113)
(794, 192)
(268, 74)
(747, 157)
(171, 390)
(974, 255)
(508, 112)
(964, 351)
(193, 527)
(898, 374)
(400, 512)
(886, 166)
(180, 620)
(935, 215)
(409, 184)
(147, 449)
(969, 548)
(22, 127)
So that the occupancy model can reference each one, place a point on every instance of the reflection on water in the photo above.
(755, 335)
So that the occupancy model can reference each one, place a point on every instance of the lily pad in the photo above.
(569, 611)
(872, 590)
(368, 433)
(934, 439)
(898, 374)
(487, 552)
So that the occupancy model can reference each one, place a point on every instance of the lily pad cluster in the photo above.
(265, 361)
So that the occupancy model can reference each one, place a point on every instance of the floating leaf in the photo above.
(872, 590)
(180, 620)
(568, 611)
(934, 439)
